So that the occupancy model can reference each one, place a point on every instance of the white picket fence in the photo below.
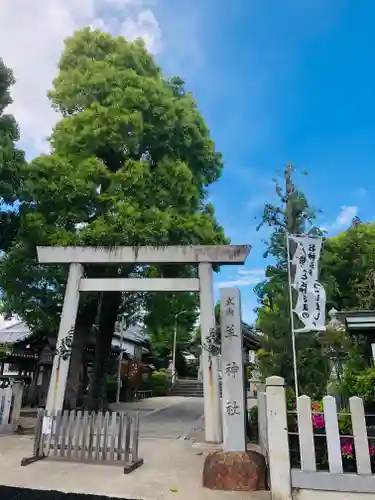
(307, 481)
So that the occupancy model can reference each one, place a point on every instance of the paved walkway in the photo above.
(172, 470)
(172, 417)
(175, 421)
(172, 467)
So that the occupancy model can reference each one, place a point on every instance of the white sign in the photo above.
(310, 308)
(311, 300)
(232, 368)
(306, 259)
(47, 426)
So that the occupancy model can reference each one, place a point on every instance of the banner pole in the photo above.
(292, 316)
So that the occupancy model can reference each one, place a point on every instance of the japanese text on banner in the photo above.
(311, 300)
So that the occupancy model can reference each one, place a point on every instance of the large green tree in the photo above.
(130, 164)
(11, 162)
(295, 216)
(348, 267)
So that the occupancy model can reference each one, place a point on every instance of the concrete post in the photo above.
(60, 367)
(212, 405)
(262, 423)
(278, 444)
(17, 391)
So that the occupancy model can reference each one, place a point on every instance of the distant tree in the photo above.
(348, 268)
(295, 216)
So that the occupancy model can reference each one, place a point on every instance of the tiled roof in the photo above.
(13, 330)
(134, 334)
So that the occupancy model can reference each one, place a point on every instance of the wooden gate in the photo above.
(106, 438)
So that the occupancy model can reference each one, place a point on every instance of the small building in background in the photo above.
(29, 356)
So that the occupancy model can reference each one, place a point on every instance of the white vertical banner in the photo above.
(310, 308)
(232, 364)
(311, 299)
(306, 259)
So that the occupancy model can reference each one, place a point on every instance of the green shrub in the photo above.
(160, 383)
(111, 382)
(359, 383)
(252, 425)
(365, 385)
(345, 422)
(126, 394)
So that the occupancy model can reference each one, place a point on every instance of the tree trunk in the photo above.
(85, 320)
(74, 375)
(97, 398)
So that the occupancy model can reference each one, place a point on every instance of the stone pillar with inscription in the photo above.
(232, 362)
(234, 468)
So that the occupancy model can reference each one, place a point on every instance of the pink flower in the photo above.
(318, 421)
(347, 449)
(371, 449)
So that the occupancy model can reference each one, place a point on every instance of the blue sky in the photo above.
(282, 82)
(277, 82)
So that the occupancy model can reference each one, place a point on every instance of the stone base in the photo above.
(235, 471)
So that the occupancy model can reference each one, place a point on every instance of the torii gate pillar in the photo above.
(210, 368)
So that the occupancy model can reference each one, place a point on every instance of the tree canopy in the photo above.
(11, 161)
(130, 164)
(348, 266)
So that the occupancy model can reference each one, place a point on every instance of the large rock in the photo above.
(235, 471)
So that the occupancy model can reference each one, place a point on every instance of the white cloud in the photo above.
(143, 25)
(130, 3)
(31, 40)
(346, 215)
(252, 272)
(343, 220)
(245, 278)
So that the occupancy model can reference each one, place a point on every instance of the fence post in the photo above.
(17, 390)
(262, 423)
(5, 407)
(278, 445)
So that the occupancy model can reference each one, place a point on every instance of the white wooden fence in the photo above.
(10, 405)
(109, 438)
(307, 481)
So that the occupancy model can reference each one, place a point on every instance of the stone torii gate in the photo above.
(202, 255)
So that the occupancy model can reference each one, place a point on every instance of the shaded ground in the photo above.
(13, 493)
